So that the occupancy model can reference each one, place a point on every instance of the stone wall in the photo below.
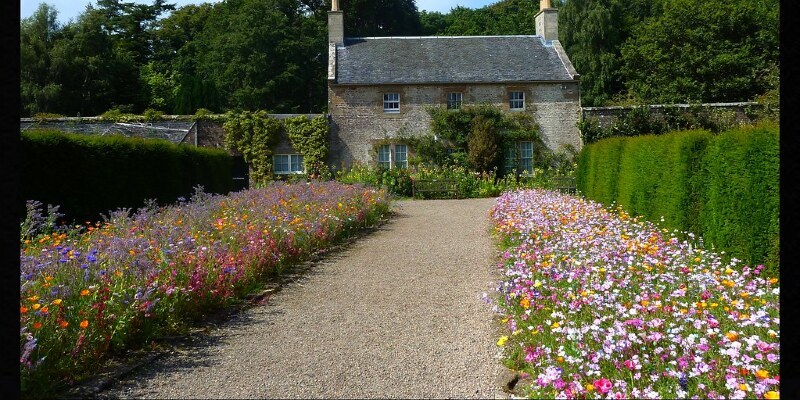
(358, 120)
(742, 113)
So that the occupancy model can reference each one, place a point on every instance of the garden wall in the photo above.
(741, 113)
(722, 187)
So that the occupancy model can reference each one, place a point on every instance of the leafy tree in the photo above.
(38, 34)
(483, 151)
(363, 18)
(702, 51)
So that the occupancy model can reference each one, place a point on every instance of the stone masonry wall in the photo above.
(741, 113)
(358, 119)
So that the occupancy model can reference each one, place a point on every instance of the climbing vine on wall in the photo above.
(310, 138)
(253, 134)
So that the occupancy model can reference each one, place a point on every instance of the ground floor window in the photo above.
(519, 157)
(393, 156)
(288, 164)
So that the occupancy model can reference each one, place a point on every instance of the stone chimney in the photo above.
(547, 21)
(335, 24)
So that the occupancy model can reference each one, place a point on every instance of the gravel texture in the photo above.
(396, 314)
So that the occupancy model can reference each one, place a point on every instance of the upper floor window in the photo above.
(283, 164)
(391, 102)
(516, 100)
(393, 156)
(454, 100)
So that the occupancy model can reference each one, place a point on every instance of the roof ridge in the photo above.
(441, 37)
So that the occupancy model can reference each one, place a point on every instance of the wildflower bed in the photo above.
(98, 288)
(602, 305)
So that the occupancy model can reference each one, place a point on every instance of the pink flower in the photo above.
(763, 346)
(603, 385)
(629, 364)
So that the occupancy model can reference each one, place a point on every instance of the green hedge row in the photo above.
(722, 187)
(91, 175)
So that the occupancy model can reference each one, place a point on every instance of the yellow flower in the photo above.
(560, 359)
(762, 374)
(732, 336)
(744, 387)
(502, 341)
(36, 306)
(33, 298)
(57, 301)
(555, 325)
(771, 395)
(773, 280)
(525, 302)
(589, 387)
(728, 271)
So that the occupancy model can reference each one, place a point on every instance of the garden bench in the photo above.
(564, 184)
(423, 186)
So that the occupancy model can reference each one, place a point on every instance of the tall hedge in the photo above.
(722, 187)
(88, 175)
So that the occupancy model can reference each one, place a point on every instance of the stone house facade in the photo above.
(380, 88)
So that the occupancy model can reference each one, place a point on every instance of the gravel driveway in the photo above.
(396, 314)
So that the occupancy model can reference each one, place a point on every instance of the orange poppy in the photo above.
(84, 324)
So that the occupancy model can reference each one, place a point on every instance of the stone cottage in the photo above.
(379, 88)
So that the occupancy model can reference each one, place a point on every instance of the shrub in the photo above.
(483, 150)
(723, 188)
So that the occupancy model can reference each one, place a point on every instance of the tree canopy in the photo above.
(272, 54)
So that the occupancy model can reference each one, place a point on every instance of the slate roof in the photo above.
(448, 59)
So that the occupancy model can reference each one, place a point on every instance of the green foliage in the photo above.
(708, 51)
(396, 180)
(110, 172)
(310, 138)
(722, 187)
(484, 153)
(253, 135)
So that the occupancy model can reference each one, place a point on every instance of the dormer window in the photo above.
(454, 100)
(516, 100)
(391, 102)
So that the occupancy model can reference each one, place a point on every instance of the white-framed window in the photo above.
(519, 158)
(516, 100)
(526, 157)
(400, 156)
(454, 100)
(393, 156)
(385, 156)
(391, 102)
(284, 164)
(510, 159)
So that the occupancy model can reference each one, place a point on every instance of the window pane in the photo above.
(391, 102)
(454, 100)
(516, 100)
(384, 156)
(297, 163)
(526, 156)
(280, 163)
(400, 156)
(510, 156)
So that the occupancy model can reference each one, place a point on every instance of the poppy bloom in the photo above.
(23, 309)
(84, 292)
(63, 324)
(762, 374)
(37, 325)
(84, 324)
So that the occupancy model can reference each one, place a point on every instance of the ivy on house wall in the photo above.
(253, 134)
(310, 138)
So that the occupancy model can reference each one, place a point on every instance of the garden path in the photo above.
(398, 313)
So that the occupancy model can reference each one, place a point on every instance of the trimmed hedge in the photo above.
(91, 175)
(722, 187)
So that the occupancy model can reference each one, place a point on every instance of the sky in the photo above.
(70, 9)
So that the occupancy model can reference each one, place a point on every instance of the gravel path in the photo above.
(396, 314)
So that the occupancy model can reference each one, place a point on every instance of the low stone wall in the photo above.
(178, 129)
(742, 113)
